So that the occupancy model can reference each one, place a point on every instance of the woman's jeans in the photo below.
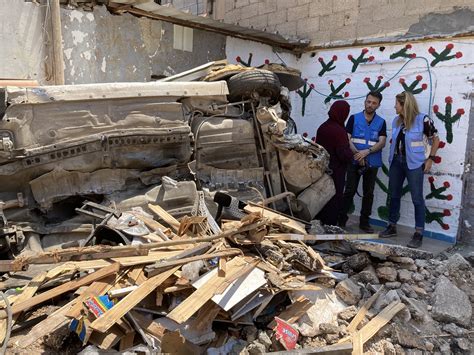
(397, 174)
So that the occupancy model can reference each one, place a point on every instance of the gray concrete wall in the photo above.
(101, 47)
(23, 50)
(333, 21)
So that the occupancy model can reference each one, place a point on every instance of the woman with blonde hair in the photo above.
(407, 160)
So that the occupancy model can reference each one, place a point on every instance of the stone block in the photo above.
(349, 292)
(285, 4)
(277, 18)
(298, 13)
(249, 11)
(344, 5)
(267, 7)
(404, 275)
(260, 21)
(387, 273)
(287, 28)
(307, 26)
(320, 8)
(241, 3)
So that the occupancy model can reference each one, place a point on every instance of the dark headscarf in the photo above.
(339, 112)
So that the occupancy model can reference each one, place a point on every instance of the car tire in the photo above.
(243, 85)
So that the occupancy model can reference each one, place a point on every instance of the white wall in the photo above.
(449, 78)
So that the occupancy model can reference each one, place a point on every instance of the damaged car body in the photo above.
(113, 144)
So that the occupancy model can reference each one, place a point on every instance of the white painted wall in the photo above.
(449, 78)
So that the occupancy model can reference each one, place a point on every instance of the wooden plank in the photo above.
(149, 325)
(109, 318)
(64, 288)
(199, 297)
(319, 237)
(352, 327)
(294, 311)
(106, 341)
(357, 345)
(278, 219)
(165, 216)
(380, 320)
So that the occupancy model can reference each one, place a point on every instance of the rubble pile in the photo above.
(248, 286)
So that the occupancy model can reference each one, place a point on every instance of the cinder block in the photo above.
(345, 33)
(332, 22)
(298, 13)
(244, 23)
(302, 2)
(259, 22)
(352, 17)
(320, 8)
(374, 4)
(307, 27)
(344, 5)
(277, 18)
(389, 11)
(233, 16)
(241, 3)
(287, 28)
(249, 11)
(267, 7)
(285, 4)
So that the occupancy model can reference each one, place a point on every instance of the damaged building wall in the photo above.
(330, 22)
(23, 41)
(351, 72)
(100, 47)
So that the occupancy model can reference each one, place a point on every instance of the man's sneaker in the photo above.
(390, 231)
(415, 241)
(366, 228)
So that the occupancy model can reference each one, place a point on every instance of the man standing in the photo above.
(367, 133)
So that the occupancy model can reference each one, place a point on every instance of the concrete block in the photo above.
(267, 7)
(298, 13)
(332, 22)
(389, 11)
(233, 16)
(346, 33)
(344, 5)
(249, 11)
(244, 22)
(260, 21)
(320, 37)
(277, 18)
(374, 4)
(307, 26)
(287, 28)
(352, 17)
(241, 3)
(422, 7)
(320, 8)
(229, 5)
(285, 4)
(302, 2)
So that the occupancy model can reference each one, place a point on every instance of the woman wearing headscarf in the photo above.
(407, 160)
(333, 137)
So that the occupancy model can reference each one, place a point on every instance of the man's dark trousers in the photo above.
(368, 185)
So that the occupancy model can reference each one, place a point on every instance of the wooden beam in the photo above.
(165, 216)
(110, 317)
(58, 61)
(286, 222)
(381, 319)
(352, 327)
(319, 237)
(64, 288)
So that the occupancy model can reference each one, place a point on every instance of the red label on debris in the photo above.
(286, 334)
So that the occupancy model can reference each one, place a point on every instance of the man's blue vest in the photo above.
(365, 136)
(414, 146)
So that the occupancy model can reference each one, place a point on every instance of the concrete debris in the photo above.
(387, 273)
(349, 292)
(450, 304)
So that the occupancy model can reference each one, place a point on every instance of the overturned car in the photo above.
(64, 148)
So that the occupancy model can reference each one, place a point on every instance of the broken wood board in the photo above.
(126, 341)
(294, 311)
(106, 341)
(111, 316)
(278, 219)
(237, 290)
(199, 297)
(319, 237)
(165, 216)
(64, 288)
(352, 327)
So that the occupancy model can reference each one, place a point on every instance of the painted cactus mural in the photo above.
(402, 53)
(327, 67)
(413, 86)
(444, 55)
(247, 63)
(360, 59)
(378, 86)
(304, 93)
(336, 91)
(448, 118)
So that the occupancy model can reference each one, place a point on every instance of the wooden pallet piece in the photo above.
(199, 297)
(109, 318)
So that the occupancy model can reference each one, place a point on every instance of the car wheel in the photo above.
(263, 82)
